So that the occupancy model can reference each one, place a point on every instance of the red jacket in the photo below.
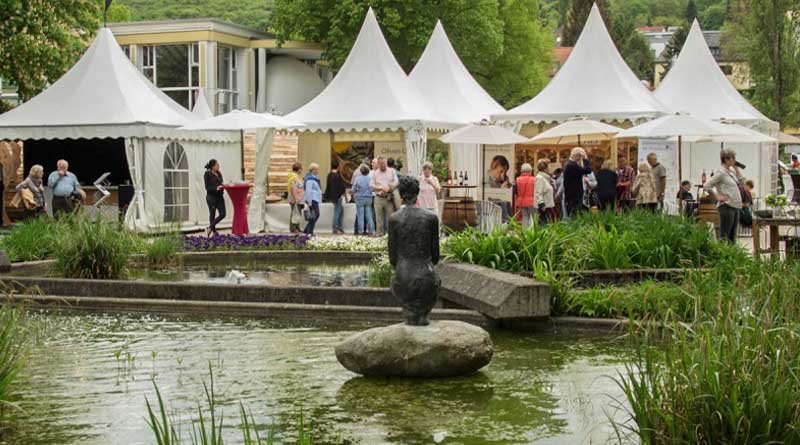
(526, 185)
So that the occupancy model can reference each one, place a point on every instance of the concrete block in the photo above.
(498, 295)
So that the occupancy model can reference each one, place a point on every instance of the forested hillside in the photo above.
(252, 13)
(711, 13)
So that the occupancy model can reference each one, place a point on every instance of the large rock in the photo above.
(441, 349)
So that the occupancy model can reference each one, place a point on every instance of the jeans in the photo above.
(728, 222)
(364, 215)
(338, 214)
(314, 206)
(215, 204)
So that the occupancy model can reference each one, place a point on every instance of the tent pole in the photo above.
(483, 172)
(241, 149)
(680, 150)
(579, 140)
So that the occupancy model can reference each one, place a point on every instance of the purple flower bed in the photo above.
(246, 242)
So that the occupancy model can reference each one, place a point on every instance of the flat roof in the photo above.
(184, 25)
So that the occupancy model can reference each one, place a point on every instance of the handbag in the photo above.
(309, 214)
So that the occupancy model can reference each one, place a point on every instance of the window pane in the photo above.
(182, 97)
(168, 197)
(223, 68)
(173, 66)
(148, 73)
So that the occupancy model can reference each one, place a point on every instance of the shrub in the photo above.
(31, 240)
(94, 250)
(380, 271)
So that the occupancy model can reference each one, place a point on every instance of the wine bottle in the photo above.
(466, 178)
(450, 178)
(703, 177)
(460, 178)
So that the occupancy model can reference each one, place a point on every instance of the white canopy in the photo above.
(243, 120)
(695, 84)
(482, 133)
(370, 92)
(594, 83)
(694, 129)
(576, 131)
(452, 91)
(102, 96)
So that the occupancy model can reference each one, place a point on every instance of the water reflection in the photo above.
(88, 375)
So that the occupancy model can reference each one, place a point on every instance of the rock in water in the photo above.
(441, 349)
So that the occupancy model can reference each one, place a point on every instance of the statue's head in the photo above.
(409, 189)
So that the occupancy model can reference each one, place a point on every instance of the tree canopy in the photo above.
(502, 43)
(250, 13)
(576, 18)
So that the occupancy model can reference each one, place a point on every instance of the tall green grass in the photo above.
(93, 250)
(207, 426)
(380, 271)
(163, 251)
(11, 352)
(602, 240)
(730, 377)
(31, 240)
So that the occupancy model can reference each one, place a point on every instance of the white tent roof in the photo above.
(102, 96)
(594, 83)
(448, 86)
(695, 84)
(201, 110)
(370, 92)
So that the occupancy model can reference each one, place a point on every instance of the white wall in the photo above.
(290, 84)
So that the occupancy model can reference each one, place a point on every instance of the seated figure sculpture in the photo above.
(413, 251)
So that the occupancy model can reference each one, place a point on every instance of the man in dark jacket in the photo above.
(576, 168)
(334, 192)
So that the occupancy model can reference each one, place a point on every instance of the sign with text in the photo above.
(392, 149)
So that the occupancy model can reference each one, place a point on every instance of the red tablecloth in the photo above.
(238, 194)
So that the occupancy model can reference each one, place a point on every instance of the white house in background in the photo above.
(237, 67)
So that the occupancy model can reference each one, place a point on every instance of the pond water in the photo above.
(88, 375)
(274, 273)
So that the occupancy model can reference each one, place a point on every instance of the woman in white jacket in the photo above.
(544, 193)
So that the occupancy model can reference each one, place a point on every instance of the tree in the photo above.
(632, 46)
(675, 44)
(576, 19)
(41, 39)
(251, 13)
(766, 33)
(691, 12)
(488, 35)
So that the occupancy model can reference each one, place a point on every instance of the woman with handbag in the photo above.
(313, 192)
(296, 196)
(215, 197)
(362, 193)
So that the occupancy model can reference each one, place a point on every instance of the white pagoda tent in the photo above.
(452, 91)
(104, 108)
(370, 94)
(696, 85)
(594, 83)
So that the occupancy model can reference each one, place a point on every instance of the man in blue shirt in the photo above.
(63, 183)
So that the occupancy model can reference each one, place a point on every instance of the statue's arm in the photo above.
(434, 234)
(392, 243)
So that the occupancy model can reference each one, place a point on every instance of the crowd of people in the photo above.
(575, 187)
(373, 189)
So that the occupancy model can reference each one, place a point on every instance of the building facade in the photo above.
(236, 67)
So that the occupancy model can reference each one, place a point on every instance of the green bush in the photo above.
(31, 240)
(94, 250)
(731, 376)
(380, 271)
(604, 240)
(163, 250)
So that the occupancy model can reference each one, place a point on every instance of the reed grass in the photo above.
(93, 249)
(12, 351)
(380, 271)
(163, 251)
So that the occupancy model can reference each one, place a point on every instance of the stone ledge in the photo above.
(496, 294)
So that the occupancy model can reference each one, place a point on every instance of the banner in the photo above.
(393, 149)
(499, 163)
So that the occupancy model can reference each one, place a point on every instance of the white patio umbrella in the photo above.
(681, 126)
(243, 120)
(571, 132)
(784, 138)
(483, 134)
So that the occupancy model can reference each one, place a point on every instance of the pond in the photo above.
(88, 375)
(273, 273)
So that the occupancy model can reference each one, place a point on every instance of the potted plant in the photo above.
(777, 202)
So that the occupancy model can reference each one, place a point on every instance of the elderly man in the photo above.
(383, 181)
(659, 174)
(574, 171)
(63, 183)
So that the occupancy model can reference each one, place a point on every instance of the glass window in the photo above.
(176, 184)
(227, 84)
(175, 69)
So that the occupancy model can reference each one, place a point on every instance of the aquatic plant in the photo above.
(246, 242)
(31, 240)
(646, 299)
(11, 351)
(731, 376)
(207, 427)
(163, 250)
(93, 250)
(602, 240)
(380, 271)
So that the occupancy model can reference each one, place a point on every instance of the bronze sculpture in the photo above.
(413, 251)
